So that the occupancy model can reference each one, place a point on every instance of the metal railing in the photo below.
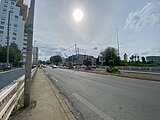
(10, 95)
(140, 69)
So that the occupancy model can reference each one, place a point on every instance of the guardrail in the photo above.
(141, 69)
(10, 95)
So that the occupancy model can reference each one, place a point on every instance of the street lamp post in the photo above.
(7, 57)
(29, 28)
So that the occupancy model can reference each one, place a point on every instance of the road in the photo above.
(105, 97)
(8, 77)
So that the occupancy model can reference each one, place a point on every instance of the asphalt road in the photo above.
(105, 97)
(8, 77)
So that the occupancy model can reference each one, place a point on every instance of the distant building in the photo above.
(18, 17)
(125, 57)
(35, 55)
(153, 58)
(78, 59)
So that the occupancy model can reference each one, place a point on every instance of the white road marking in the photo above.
(46, 73)
(54, 79)
(99, 112)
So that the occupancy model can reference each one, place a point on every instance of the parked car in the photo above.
(54, 66)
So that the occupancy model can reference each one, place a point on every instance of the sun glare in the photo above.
(78, 14)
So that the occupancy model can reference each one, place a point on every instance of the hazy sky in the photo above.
(138, 22)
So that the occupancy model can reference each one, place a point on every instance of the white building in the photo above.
(35, 56)
(17, 23)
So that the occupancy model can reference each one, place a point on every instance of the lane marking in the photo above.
(46, 73)
(99, 112)
(54, 79)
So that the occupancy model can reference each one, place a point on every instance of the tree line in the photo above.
(15, 55)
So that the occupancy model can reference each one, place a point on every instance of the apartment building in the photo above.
(15, 13)
(35, 56)
(153, 58)
(79, 59)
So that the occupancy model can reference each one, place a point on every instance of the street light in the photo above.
(7, 57)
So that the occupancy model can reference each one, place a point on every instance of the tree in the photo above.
(138, 59)
(143, 59)
(15, 55)
(56, 59)
(111, 63)
(132, 58)
(111, 54)
(87, 62)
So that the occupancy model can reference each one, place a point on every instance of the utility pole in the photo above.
(29, 28)
(118, 41)
(7, 57)
(76, 49)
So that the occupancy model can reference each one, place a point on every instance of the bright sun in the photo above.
(78, 14)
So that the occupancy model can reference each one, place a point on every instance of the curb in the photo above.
(66, 110)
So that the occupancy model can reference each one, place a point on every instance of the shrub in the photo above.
(108, 69)
(112, 69)
(111, 63)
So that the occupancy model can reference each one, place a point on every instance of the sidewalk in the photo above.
(45, 102)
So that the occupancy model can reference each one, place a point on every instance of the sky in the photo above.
(56, 31)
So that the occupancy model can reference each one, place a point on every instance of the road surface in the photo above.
(105, 97)
(8, 77)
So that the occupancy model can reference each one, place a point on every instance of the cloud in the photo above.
(145, 53)
(147, 16)
(95, 48)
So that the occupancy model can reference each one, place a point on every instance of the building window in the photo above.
(6, 1)
(1, 32)
(16, 16)
(2, 22)
(3, 18)
(11, 7)
(14, 34)
(25, 44)
(5, 5)
(12, 3)
(4, 10)
(1, 27)
(15, 25)
(13, 38)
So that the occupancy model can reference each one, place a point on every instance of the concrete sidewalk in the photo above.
(46, 104)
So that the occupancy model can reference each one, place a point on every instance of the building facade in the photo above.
(14, 13)
(79, 60)
(153, 58)
(35, 56)
(125, 57)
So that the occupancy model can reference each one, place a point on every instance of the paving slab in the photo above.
(45, 102)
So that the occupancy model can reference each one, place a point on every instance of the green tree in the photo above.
(132, 58)
(56, 59)
(2, 53)
(111, 54)
(15, 55)
(143, 59)
(138, 60)
(87, 62)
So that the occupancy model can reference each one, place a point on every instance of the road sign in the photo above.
(102, 59)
